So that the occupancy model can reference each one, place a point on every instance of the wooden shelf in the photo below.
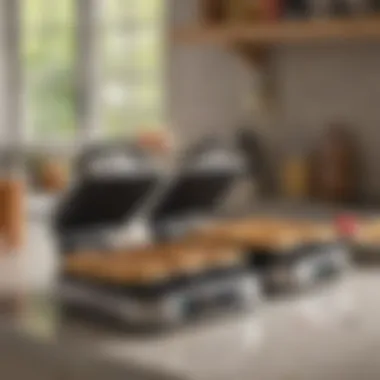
(284, 32)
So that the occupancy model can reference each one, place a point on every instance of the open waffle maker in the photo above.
(363, 233)
(170, 279)
(287, 253)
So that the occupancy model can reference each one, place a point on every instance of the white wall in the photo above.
(208, 83)
(321, 84)
(3, 134)
(11, 96)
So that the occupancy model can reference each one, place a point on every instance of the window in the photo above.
(48, 57)
(132, 35)
(129, 39)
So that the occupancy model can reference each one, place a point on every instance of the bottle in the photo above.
(358, 7)
(14, 213)
(272, 9)
(375, 5)
(295, 177)
(214, 11)
(336, 166)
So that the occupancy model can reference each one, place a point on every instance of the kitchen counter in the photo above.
(329, 334)
(332, 333)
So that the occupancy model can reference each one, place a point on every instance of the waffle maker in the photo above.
(112, 183)
(161, 286)
(287, 253)
(363, 234)
(207, 174)
(167, 280)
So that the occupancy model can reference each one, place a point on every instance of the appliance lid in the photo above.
(108, 193)
(201, 184)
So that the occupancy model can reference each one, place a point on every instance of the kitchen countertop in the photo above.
(331, 333)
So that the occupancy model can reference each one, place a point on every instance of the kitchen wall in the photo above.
(207, 83)
(3, 134)
(315, 85)
(320, 84)
(11, 98)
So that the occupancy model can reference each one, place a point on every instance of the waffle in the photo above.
(270, 234)
(151, 265)
(368, 233)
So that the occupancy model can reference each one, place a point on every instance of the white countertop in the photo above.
(329, 334)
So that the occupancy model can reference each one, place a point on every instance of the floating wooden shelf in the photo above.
(283, 32)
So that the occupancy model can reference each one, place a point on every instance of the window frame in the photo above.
(88, 79)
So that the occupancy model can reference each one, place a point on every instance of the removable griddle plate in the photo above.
(108, 195)
(197, 191)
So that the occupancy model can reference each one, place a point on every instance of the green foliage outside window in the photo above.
(131, 56)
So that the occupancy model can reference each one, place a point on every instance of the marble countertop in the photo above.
(334, 332)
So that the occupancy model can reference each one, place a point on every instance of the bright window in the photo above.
(48, 54)
(132, 48)
(129, 36)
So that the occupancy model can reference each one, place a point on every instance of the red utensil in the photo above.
(347, 225)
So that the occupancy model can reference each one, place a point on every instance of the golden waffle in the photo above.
(271, 234)
(153, 264)
(314, 232)
(204, 255)
(187, 259)
(119, 270)
(86, 263)
(226, 258)
(368, 233)
(179, 258)
(142, 266)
